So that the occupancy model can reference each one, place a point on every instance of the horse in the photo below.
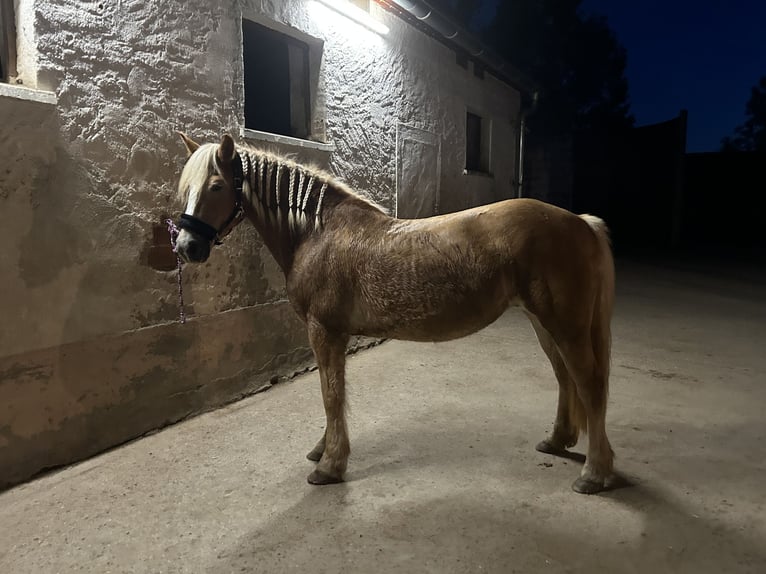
(352, 269)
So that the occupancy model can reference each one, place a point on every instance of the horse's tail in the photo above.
(601, 332)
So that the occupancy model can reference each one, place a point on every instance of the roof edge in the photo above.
(443, 28)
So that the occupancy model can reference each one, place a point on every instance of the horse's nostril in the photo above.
(196, 251)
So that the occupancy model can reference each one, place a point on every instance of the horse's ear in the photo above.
(191, 146)
(226, 150)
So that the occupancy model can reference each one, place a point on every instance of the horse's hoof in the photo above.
(587, 485)
(548, 447)
(315, 455)
(318, 477)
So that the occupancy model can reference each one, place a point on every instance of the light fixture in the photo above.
(356, 14)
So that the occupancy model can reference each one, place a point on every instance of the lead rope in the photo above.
(173, 235)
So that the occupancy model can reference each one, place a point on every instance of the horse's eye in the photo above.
(216, 187)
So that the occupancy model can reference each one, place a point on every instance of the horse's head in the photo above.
(212, 183)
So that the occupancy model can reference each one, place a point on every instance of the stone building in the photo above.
(389, 96)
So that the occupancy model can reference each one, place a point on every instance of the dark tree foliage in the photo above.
(575, 57)
(751, 135)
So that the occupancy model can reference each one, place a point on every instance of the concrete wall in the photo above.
(90, 351)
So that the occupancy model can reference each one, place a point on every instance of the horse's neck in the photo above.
(287, 203)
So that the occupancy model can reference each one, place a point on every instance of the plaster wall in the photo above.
(91, 354)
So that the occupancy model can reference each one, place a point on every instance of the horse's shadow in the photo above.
(474, 509)
(617, 481)
(348, 527)
(393, 447)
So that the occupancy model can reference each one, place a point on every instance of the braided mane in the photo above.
(280, 190)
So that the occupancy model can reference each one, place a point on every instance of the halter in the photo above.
(207, 231)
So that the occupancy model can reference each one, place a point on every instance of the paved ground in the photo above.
(443, 476)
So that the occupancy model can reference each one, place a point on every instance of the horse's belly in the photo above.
(447, 326)
(440, 317)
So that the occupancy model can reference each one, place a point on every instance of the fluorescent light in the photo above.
(357, 15)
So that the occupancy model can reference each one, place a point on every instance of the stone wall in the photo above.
(91, 354)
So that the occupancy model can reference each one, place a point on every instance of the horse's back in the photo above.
(520, 230)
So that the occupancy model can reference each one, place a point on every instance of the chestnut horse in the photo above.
(351, 269)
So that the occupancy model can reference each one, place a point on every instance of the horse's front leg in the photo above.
(330, 353)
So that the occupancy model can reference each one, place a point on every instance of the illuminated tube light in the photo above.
(356, 14)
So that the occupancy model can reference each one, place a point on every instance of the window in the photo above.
(277, 94)
(7, 41)
(477, 132)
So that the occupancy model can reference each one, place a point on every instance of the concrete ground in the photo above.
(444, 476)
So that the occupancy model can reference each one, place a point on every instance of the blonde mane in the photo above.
(300, 204)
(199, 167)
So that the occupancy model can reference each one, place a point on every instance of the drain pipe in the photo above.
(520, 159)
(525, 111)
(445, 26)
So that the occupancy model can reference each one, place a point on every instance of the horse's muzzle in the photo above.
(192, 249)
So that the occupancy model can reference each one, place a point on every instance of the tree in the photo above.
(575, 57)
(751, 135)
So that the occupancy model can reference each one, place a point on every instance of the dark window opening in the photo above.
(276, 81)
(473, 142)
(478, 132)
(7, 41)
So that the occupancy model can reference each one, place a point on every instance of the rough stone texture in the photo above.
(443, 475)
(87, 279)
(420, 87)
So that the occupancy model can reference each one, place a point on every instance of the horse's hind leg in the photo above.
(317, 452)
(591, 380)
(570, 416)
(330, 353)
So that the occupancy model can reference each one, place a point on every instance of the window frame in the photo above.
(315, 95)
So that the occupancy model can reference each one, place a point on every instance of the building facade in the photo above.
(91, 352)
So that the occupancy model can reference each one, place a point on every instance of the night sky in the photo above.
(701, 55)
